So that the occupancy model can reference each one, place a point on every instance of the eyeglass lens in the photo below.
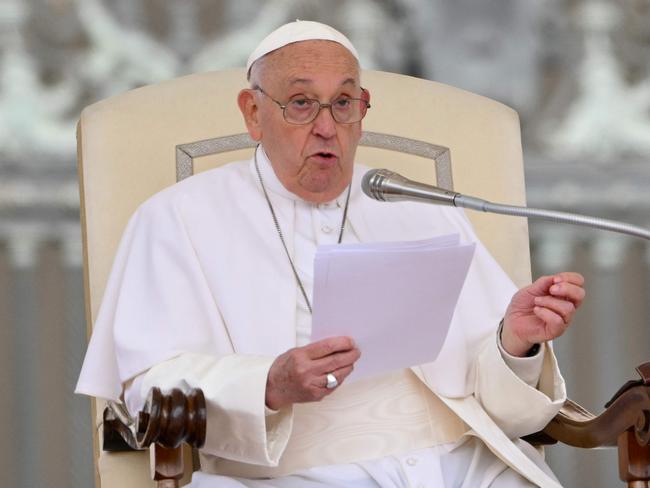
(344, 110)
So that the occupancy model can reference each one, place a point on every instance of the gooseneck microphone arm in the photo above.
(387, 186)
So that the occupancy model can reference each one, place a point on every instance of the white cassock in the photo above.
(202, 295)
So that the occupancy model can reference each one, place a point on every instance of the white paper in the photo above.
(395, 299)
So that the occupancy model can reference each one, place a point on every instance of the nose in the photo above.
(324, 124)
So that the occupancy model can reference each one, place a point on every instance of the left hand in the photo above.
(541, 311)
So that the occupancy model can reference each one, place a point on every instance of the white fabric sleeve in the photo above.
(528, 369)
(516, 406)
(240, 427)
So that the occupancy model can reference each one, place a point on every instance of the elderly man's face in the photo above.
(314, 160)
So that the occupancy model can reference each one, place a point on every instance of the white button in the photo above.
(326, 228)
(411, 461)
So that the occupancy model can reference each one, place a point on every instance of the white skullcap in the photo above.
(300, 30)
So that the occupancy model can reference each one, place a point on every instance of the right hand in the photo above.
(300, 374)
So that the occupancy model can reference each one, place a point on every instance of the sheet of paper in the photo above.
(396, 299)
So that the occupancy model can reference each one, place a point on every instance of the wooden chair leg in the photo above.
(167, 484)
(166, 465)
(633, 461)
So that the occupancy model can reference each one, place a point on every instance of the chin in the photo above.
(323, 182)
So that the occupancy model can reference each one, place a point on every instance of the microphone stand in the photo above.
(552, 215)
(385, 185)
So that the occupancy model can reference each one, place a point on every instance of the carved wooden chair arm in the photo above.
(165, 423)
(624, 423)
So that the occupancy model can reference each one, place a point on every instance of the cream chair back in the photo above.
(135, 144)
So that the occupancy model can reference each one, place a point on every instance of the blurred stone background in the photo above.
(578, 72)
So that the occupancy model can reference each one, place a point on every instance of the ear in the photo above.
(250, 110)
(365, 95)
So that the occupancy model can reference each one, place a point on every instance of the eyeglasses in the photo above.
(300, 111)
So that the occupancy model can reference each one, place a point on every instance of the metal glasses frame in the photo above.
(321, 106)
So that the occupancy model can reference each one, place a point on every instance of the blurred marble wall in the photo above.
(578, 72)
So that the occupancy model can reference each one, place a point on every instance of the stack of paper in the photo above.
(396, 299)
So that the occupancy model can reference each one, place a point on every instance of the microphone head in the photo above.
(372, 183)
(387, 186)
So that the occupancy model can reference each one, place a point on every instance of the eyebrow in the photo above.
(297, 81)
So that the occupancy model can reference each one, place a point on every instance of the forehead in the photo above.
(311, 62)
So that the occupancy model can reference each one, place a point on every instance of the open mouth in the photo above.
(325, 155)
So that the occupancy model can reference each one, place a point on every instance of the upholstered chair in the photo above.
(135, 144)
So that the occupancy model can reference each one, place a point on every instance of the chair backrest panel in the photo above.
(128, 151)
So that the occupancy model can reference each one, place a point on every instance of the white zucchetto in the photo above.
(298, 31)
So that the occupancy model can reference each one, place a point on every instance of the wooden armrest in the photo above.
(167, 420)
(625, 424)
(575, 426)
(628, 410)
(165, 423)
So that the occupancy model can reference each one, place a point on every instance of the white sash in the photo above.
(368, 419)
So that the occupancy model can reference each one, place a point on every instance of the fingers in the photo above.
(296, 376)
(567, 285)
(563, 277)
(340, 375)
(542, 311)
(555, 324)
(568, 291)
(569, 277)
(563, 308)
(541, 285)
(339, 363)
(328, 346)
(336, 361)
(565, 295)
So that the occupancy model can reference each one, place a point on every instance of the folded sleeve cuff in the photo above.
(240, 427)
(516, 406)
(528, 369)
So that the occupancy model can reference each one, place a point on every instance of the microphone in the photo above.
(386, 186)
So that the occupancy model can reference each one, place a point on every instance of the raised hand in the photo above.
(541, 311)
